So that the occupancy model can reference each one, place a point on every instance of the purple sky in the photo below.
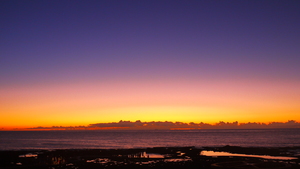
(67, 40)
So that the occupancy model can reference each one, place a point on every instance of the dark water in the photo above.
(16, 140)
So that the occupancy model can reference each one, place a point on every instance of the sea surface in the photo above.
(97, 139)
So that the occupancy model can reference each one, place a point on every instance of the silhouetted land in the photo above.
(155, 158)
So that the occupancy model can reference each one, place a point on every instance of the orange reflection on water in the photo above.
(216, 154)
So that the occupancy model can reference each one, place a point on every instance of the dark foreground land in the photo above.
(154, 158)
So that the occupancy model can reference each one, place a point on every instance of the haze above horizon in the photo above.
(76, 63)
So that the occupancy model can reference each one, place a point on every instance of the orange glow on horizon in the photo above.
(210, 101)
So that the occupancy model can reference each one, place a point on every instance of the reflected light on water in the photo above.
(216, 154)
(152, 155)
(146, 155)
(28, 155)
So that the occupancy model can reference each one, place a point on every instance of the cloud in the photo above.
(158, 125)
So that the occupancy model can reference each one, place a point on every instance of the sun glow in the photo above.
(169, 100)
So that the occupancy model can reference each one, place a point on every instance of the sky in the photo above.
(71, 63)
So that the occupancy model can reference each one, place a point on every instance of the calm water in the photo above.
(15, 140)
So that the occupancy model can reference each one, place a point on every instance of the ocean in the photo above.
(99, 139)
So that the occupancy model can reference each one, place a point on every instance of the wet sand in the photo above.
(155, 158)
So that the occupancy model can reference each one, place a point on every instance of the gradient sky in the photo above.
(83, 62)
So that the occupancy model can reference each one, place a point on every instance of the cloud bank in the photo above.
(158, 125)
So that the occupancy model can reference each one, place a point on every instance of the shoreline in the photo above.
(156, 157)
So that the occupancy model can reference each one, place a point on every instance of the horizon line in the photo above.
(163, 125)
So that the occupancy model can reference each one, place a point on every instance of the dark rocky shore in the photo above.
(155, 158)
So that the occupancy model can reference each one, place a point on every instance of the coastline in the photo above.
(157, 157)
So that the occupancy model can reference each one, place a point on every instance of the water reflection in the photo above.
(100, 160)
(142, 158)
(174, 160)
(216, 154)
(28, 155)
(147, 162)
(146, 155)
(180, 153)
